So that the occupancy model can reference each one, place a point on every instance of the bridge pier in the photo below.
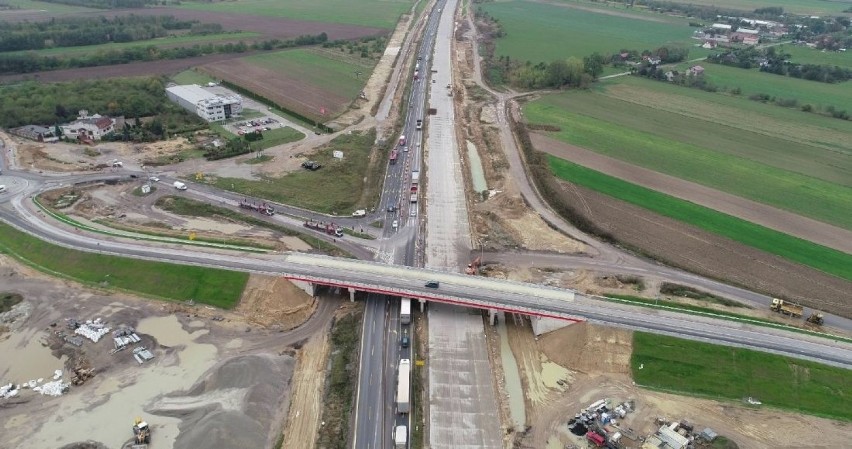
(352, 294)
(422, 305)
(493, 316)
(309, 287)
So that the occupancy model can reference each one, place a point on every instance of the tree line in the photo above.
(108, 4)
(77, 31)
(770, 60)
(29, 63)
(48, 104)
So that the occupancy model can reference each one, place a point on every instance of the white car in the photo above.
(413, 212)
(154, 179)
(395, 224)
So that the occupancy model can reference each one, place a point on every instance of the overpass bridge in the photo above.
(409, 282)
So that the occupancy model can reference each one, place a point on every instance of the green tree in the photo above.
(594, 64)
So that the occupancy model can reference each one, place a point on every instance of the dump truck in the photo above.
(263, 208)
(179, 185)
(141, 434)
(328, 228)
(784, 307)
(400, 437)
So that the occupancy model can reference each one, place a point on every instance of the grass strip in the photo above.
(142, 236)
(722, 372)
(792, 248)
(177, 234)
(220, 288)
(712, 313)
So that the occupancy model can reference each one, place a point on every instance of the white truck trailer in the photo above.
(402, 401)
(405, 311)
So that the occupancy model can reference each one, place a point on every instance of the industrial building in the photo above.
(210, 107)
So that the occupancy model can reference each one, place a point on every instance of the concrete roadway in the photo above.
(375, 407)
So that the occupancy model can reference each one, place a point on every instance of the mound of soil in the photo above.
(588, 348)
(234, 405)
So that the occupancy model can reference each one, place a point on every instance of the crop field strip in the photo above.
(804, 7)
(722, 372)
(791, 248)
(370, 13)
(531, 27)
(739, 162)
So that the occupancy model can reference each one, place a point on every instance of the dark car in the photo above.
(311, 165)
(405, 341)
(432, 284)
(391, 209)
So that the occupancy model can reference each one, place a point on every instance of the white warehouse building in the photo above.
(207, 105)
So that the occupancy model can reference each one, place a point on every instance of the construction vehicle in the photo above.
(781, 306)
(473, 267)
(328, 228)
(262, 208)
(142, 434)
(815, 318)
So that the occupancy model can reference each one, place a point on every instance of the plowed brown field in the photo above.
(710, 255)
(298, 94)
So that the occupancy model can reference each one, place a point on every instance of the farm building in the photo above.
(88, 128)
(37, 133)
(209, 106)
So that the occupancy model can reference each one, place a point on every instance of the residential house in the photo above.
(696, 70)
(88, 128)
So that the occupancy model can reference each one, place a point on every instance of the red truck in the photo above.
(262, 207)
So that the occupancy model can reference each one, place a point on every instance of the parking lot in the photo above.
(256, 124)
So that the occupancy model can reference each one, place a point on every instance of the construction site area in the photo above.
(84, 368)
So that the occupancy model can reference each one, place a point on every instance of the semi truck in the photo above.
(328, 228)
(784, 307)
(415, 177)
(179, 185)
(400, 437)
(405, 311)
(402, 402)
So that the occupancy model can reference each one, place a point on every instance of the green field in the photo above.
(707, 370)
(805, 179)
(172, 41)
(804, 7)
(540, 32)
(368, 13)
(331, 70)
(754, 81)
(804, 55)
(220, 288)
(47, 7)
(277, 136)
(335, 188)
(797, 250)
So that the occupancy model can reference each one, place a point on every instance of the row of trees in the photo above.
(29, 63)
(79, 31)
